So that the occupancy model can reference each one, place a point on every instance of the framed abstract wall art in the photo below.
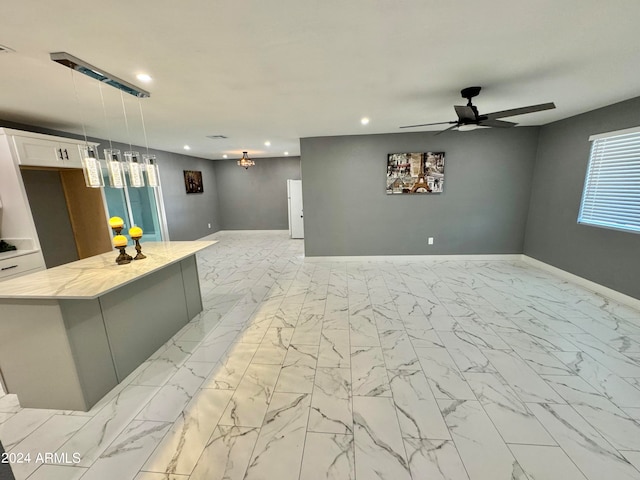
(193, 181)
(415, 173)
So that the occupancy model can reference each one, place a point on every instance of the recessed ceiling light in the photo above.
(286, 153)
(267, 143)
(225, 156)
(364, 120)
(143, 77)
(187, 147)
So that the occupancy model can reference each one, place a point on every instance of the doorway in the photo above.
(296, 220)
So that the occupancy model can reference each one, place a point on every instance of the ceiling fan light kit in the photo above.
(469, 118)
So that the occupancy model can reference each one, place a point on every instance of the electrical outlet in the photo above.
(209, 225)
(430, 240)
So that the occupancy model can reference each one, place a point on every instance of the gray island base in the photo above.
(70, 334)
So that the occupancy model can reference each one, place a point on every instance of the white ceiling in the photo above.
(257, 70)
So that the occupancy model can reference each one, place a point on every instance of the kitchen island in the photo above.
(69, 334)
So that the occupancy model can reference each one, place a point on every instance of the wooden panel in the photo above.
(86, 211)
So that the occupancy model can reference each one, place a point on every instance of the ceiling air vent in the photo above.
(217, 137)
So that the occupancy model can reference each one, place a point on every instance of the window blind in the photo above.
(611, 196)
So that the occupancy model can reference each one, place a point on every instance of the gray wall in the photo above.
(256, 198)
(50, 214)
(483, 208)
(607, 257)
(187, 215)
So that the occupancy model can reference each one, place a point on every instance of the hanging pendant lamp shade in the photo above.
(91, 168)
(151, 167)
(245, 161)
(134, 165)
(115, 167)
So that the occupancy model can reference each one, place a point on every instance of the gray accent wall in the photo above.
(608, 257)
(49, 208)
(482, 210)
(188, 215)
(255, 198)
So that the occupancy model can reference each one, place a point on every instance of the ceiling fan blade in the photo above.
(447, 129)
(465, 113)
(427, 124)
(520, 111)
(492, 122)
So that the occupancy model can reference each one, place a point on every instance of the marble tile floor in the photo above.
(381, 369)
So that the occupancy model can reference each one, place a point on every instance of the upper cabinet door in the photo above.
(39, 152)
(70, 154)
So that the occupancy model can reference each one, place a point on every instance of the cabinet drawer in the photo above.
(19, 265)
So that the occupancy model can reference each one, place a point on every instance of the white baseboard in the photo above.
(583, 282)
(253, 231)
(418, 258)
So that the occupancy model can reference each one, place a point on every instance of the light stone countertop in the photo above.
(94, 276)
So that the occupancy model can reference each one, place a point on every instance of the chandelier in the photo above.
(245, 161)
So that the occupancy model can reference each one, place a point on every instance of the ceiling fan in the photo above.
(469, 118)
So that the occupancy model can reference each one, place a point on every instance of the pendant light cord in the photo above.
(80, 112)
(104, 113)
(144, 129)
(126, 121)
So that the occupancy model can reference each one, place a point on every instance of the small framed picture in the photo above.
(193, 181)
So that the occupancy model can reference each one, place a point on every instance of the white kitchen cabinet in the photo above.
(19, 264)
(39, 150)
(16, 221)
(19, 149)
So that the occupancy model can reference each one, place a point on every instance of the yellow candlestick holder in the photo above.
(120, 243)
(124, 257)
(135, 233)
(140, 255)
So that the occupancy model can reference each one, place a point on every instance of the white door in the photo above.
(294, 193)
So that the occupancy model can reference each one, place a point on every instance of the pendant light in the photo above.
(131, 158)
(245, 161)
(133, 163)
(91, 168)
(115, 167)
(148, 159)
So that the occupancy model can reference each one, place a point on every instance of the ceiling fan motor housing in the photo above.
(470, 92)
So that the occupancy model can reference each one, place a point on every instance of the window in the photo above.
(611, 196)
